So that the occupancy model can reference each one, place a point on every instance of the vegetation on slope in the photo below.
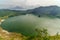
(42, 35)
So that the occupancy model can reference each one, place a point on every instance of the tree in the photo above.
(42, 34)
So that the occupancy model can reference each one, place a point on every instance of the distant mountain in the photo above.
(8, 12)
(49, 11)
(46, 11)
(17, 8)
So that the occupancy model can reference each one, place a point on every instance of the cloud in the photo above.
(29, 3)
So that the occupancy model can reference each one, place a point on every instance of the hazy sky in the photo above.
(28, 3)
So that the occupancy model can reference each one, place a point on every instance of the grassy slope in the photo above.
(16, 36)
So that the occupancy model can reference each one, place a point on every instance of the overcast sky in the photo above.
(28, 3)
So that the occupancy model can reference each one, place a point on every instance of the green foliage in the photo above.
(1, 38)
(41, 35)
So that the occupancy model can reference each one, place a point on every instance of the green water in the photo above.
(26, 24)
